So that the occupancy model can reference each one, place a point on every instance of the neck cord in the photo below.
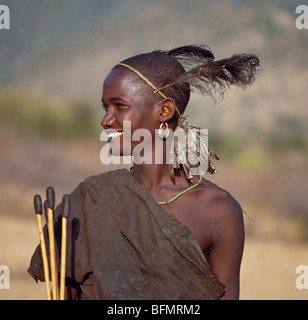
(181, 193)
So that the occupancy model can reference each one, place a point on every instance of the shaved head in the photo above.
(161, 70)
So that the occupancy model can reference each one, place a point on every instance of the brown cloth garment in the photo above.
(122, 245)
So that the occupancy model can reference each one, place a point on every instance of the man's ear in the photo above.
(166, 109)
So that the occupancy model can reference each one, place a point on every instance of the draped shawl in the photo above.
(121, 244)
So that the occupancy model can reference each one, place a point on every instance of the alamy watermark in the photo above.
(190, 144)
(4, 17)
(4, 277)
(301, 21)
(301, 281)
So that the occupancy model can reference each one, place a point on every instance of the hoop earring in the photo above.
(163, 131)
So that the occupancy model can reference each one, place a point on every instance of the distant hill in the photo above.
(66, 48)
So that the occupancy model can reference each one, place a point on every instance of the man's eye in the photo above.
(120, 105)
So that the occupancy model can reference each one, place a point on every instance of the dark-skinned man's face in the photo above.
(124, 100)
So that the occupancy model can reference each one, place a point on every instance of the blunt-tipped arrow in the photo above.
(65, 213)
(50, 195)
(39, 210)
(66, 206)
(38, 204)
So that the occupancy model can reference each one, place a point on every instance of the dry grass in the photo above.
(268, 270)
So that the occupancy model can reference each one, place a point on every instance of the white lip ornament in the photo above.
(115, 134)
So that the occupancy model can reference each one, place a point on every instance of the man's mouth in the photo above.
(113, 135)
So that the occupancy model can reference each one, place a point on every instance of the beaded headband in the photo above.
(146, 80)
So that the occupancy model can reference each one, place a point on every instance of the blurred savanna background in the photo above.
(53, 61)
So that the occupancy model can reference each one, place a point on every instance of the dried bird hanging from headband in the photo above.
(177, 72)
(189, 150)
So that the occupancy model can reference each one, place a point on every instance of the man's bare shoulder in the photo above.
(223, 214)
(219, 202)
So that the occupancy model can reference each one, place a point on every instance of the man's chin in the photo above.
(119, 153)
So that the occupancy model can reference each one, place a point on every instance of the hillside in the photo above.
(65, 49)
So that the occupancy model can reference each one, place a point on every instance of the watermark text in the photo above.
(180, 146)
(302, 280)
(302, 20)
(4, 17)
(4, 277)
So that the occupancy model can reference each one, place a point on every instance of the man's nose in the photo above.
(108, 120)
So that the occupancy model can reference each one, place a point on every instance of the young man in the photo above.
(159, 230)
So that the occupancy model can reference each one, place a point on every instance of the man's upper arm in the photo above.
(228, 244)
